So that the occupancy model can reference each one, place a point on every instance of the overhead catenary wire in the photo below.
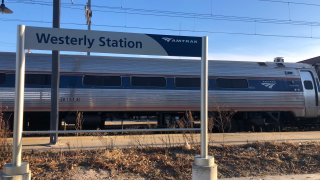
(291, 2)
(177, 30)
(151, 12)
(77, 4)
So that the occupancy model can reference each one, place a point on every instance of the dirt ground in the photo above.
(255, 159)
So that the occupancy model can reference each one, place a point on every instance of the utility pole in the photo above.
(55, 78)
(88, 14)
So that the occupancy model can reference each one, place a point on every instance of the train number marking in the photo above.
(70, 99)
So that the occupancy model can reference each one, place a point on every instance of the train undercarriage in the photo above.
(222, 121)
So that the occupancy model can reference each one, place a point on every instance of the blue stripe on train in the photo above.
(67, 81)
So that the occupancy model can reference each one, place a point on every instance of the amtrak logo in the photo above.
(269, 84)
(167, 39)
(173, 40)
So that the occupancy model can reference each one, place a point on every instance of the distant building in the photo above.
(312, 61)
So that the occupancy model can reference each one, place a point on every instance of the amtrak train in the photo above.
(113, 88)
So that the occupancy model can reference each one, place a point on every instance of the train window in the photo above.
(280, 65)
(187, 82)
(308, 85)
(288, 73)
(232, 83)
(38, 79)
(92, 80)
(262, 64)
(148, 81)
(2, 78)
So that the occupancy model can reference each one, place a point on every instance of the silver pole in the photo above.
(204, 98)
(88, 16)
(55, 79)
(19, 98)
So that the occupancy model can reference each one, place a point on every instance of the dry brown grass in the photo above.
(5, 146)
(168, 162)
(175, 162)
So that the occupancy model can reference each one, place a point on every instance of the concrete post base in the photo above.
(11, 172)
(204, 169)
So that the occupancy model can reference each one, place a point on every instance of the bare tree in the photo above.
(221, 120)
(79, 121)
(5, 146)
(186, 121)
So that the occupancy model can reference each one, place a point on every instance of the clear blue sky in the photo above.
(248, 30)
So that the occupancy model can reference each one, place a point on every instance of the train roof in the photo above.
(137, 65)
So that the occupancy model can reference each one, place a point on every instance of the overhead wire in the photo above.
(152, 12)
(161, 13)
(291, 2)
(177, 30)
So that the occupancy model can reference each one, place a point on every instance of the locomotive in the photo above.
(106, 89)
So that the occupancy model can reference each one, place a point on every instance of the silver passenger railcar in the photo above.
(111, 88)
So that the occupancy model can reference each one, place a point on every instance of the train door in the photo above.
(310, 93)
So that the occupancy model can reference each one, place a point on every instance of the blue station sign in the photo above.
(111, 42)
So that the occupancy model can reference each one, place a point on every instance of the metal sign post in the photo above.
(204, 98)
(18, 169)
(204, 167)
